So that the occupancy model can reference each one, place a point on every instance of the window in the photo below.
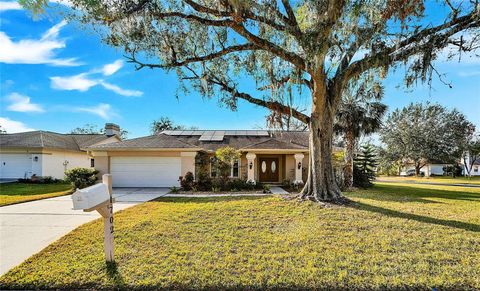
(213, 167)
(235, 169)
(92, 163)
(475, 169)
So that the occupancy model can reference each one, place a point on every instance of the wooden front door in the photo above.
(268, 169)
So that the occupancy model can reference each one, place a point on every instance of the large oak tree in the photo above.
(320, 46)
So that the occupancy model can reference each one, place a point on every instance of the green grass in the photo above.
(12, 193)
(395, 236)
(435, 179)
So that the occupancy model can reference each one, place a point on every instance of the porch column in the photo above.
(298, 167)
(251, 167)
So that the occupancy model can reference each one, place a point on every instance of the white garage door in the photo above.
(145, 171)
(15, 165)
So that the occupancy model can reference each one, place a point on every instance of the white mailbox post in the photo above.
(99, 197)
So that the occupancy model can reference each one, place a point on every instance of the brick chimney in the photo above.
(112, 129)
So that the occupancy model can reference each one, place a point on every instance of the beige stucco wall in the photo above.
(102, 165)
(188, 162)
(53, 162)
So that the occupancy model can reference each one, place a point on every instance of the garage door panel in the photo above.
(145, 171)
(15, 165)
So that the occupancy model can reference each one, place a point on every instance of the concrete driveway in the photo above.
(27, 228)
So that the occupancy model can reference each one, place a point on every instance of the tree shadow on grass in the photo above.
(416, 217)
(411, 193)
(208, 199)
(114, 275)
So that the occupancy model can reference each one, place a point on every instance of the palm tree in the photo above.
(360, 113)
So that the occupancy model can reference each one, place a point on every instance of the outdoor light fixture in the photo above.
(35, 159)
(299, 165)
(250, 165)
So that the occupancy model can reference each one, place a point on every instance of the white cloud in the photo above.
(120, 91)
(78, 82)
(110, 69)
(12, 126)
(10, 5)
(102, 110)
(21, 103)
(82, 82)
(35, 51)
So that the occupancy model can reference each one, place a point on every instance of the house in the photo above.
(434, 168)
(159, 160)
(44, 153)
(475, 171)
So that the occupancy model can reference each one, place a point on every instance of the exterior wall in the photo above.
(290, 167)
(475, 170)
(188, 162)
(51, 162)
(55, 163)
(102, 165)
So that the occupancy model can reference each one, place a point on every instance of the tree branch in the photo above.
(411, 45)
(176, 63)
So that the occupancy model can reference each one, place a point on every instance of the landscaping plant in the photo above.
(187, 182)
(81, 177)
(365, 164)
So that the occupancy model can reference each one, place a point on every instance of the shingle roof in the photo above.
(47, 139)
(161, 141)
(165, 140)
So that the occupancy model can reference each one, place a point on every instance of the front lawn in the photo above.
(434, 179)
(393, 237)
(12, 193)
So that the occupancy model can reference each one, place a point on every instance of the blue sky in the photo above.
(56, 76)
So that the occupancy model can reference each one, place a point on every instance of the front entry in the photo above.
(268, 169)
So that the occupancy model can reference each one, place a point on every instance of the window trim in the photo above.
(92, 163)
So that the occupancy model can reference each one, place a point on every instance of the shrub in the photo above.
(266, 189)
(238, 184)
(187, 182)
(81, 177)
(41, 180)
(220, 183)
(174, 190)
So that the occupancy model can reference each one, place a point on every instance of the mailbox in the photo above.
(90, 197)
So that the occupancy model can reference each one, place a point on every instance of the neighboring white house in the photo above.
(427, 170)
(44, 153)
(475, 168)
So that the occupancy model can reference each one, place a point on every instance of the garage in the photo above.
(145, 171)
(15, 166)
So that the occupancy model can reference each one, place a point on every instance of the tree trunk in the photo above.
(349, 151)
(321, 184)
(417, 170)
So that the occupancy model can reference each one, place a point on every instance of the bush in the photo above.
(238, 184)
(187, 182)
(81, 177)
(174, 190)
(220, 183)
(41, 180)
